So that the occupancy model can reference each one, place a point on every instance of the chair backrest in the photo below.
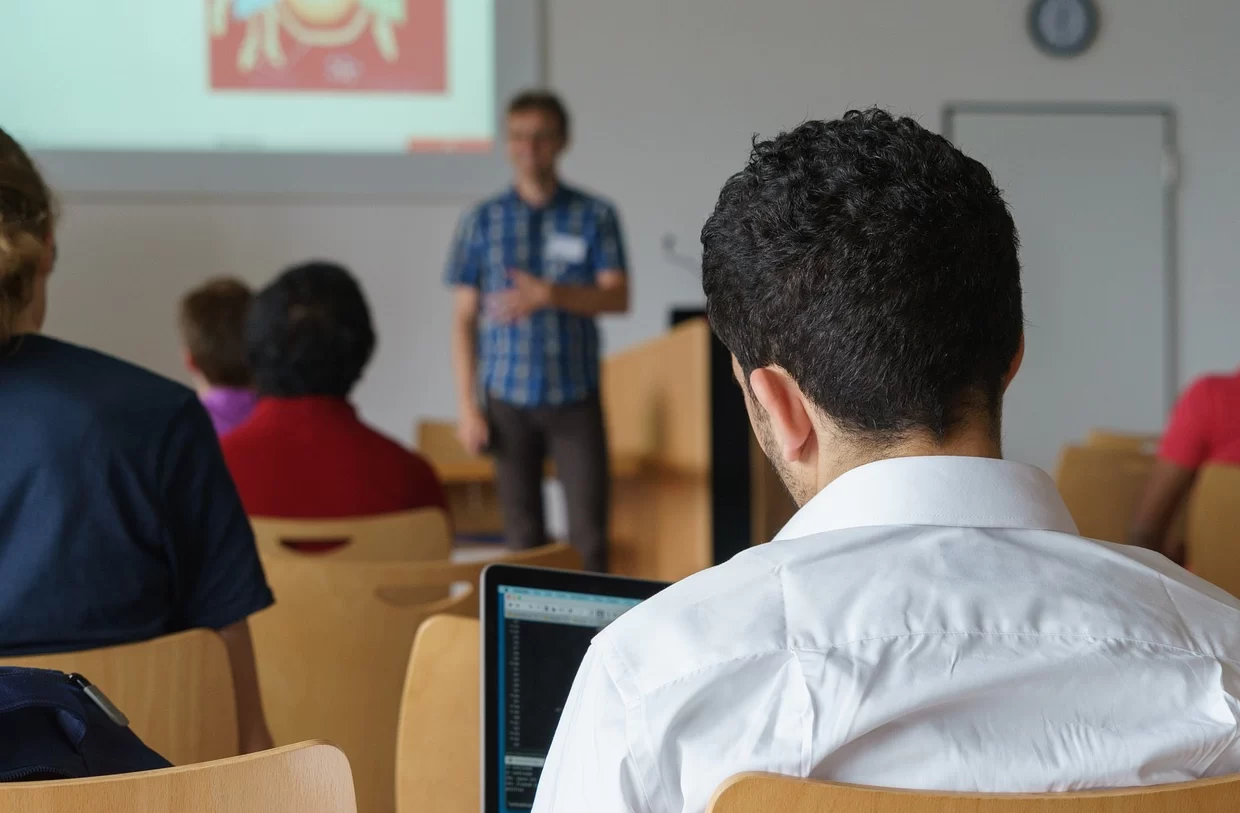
(407, 536)
(306, 778)
(334, 649)
(437, 746)
(1214, 527)
(1121, 441)
(764, 793)
(177, 691)
(1101, 488)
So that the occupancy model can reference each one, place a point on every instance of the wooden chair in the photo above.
(306, 778)
(465, 576)
(1121, 441)
(177, 691)
(1101, 488)
(766, 793)
(1214, 527)
(437, 745)
(333, 651)
(407, 536)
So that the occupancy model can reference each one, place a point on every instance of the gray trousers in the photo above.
(576, 439)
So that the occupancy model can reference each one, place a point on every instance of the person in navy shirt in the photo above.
(118, 519)
(530, 270)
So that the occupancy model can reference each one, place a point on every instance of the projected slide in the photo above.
(270, 76)
(346, 45)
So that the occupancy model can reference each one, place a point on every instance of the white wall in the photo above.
(666, 94)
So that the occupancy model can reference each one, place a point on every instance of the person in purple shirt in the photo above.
(212, 325)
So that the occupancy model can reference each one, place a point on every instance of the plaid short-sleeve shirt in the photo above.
(551, 357)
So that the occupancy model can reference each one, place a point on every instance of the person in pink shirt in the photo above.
(1204, 428)
(212, 323)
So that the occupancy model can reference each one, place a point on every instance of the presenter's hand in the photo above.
(527, 295)
(472, 430)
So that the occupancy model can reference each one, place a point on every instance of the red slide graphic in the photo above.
(374, 46)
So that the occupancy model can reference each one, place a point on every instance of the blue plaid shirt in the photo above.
(552, 357)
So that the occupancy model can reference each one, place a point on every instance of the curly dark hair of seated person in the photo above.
(309, 333)
(875, 263)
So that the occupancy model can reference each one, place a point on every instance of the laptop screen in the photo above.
(543, 637)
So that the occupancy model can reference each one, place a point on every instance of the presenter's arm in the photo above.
(610, 294)
(471, 428)
(528, 294)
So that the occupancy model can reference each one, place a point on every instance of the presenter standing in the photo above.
(530, 270)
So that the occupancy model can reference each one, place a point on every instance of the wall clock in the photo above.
(1063, 28)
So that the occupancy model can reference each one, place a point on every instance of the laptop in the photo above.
(536, 627)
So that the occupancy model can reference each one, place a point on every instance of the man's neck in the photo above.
(537, 191)
(970, 440)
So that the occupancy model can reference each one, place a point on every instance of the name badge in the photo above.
(568, 248)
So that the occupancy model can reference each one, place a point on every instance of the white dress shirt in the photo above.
(926, 623)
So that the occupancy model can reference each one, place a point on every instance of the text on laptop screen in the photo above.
(543, 637)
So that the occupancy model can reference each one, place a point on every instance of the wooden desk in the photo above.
(469, 483)
(466, 471)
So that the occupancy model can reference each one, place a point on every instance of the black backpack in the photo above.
(58, 726)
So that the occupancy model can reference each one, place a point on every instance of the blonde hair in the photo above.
(26, 218)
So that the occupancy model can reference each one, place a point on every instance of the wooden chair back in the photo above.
(334, 649)
(438, 744)
(1122, 441)
(1101, 488)
(177, 691)
(437, 747)
(1214, 527)
(764, 793)
(407, 536)
(465, 576)
(305, 778)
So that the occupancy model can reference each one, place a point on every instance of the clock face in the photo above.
(1063, 27)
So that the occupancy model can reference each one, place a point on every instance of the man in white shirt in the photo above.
(929, 619)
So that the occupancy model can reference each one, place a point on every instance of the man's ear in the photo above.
(1014, 367)
(188, 359)
(790, 423)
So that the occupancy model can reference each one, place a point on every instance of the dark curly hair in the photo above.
(877, 264)
(309, 333)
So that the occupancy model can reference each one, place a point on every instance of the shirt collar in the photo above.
(225, 397)
(305, 407)
(972, 492)
(559, 198)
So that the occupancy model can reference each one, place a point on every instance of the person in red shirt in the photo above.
(1204, 428)
(304, 453)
